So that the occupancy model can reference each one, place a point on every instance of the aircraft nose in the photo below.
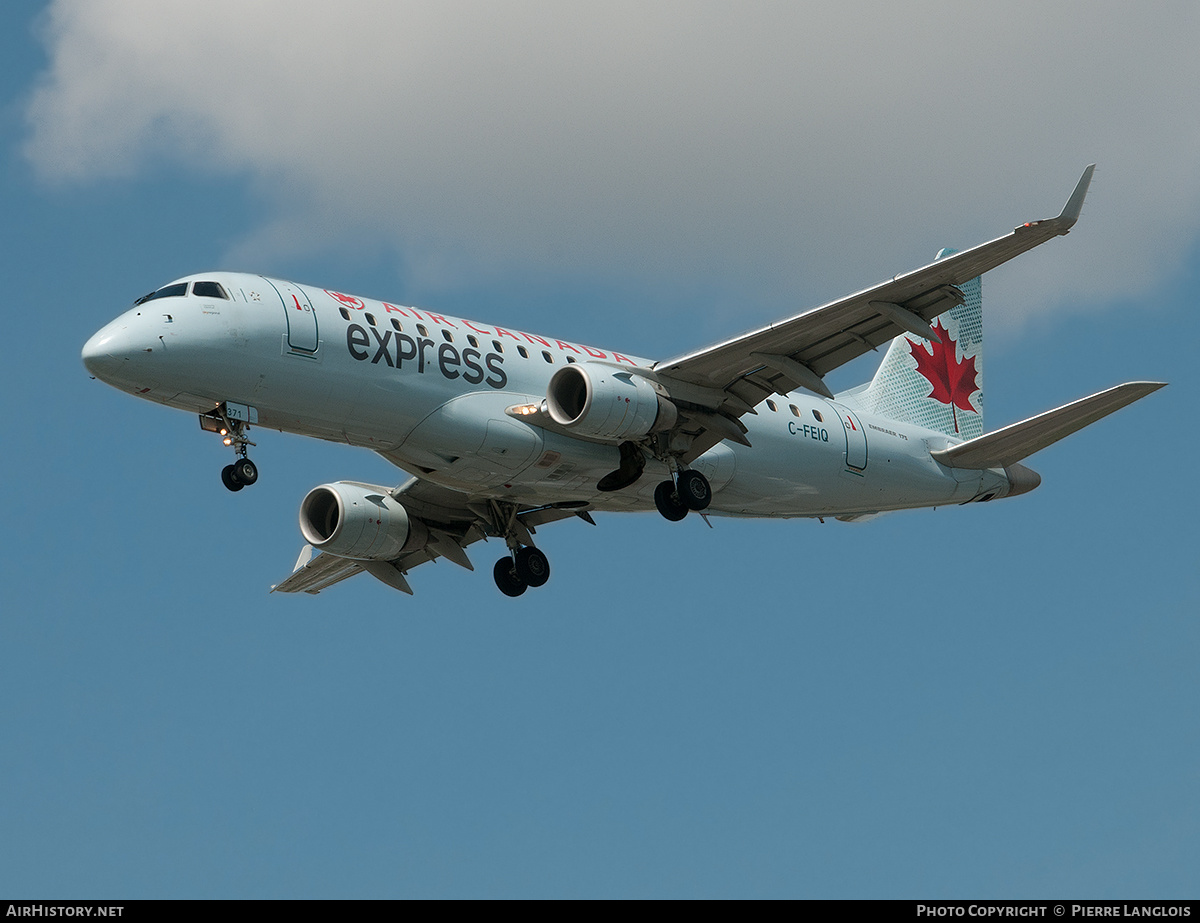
(95, 353)
(101, 354)
(111, 351)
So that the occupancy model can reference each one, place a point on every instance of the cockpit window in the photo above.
(209, 290)
(167, 291)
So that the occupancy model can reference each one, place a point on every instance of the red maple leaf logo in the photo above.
(348, 300)
(953, 381)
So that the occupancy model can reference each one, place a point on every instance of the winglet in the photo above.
(1070, 212)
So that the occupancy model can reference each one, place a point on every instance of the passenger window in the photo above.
(447, 336)
(817, 414)
(471, 339)
(371, 319)
(345, 313)
(795, 410)
(421, 330)
(547, 356)
(396, 324)
(498, 346)
(209, 290)
(570, 358)
(771, 404)
(524, 353)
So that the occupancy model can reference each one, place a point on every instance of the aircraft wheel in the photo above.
(507, 579)
(694, 490)
(532, 567)
(668, 502)
(229, 479)
(245, 471)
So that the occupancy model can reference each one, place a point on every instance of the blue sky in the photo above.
(992, 701)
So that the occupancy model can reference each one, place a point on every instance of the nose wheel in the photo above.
(689, 491)
(242, 473)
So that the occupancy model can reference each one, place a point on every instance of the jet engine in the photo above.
(604, 403)
(359, 521)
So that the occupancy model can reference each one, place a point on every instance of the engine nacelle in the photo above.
(605, 403)
(358, 521)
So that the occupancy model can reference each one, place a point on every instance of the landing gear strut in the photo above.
(689, 491)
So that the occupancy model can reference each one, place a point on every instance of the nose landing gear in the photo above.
(243, 472)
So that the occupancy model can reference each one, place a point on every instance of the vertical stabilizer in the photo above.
(935, 385)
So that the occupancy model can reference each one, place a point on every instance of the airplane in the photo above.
(503, 431)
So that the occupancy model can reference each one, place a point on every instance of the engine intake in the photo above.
(358, 521)
(605, 403)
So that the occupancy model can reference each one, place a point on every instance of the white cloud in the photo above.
(791, 151)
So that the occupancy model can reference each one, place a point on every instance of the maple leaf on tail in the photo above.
(953, 381)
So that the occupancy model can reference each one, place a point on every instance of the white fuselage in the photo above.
(429, 393)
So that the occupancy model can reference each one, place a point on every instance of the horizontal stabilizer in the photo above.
(1009, 445)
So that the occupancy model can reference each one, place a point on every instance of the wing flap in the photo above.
(1009, 445)
(316, 573)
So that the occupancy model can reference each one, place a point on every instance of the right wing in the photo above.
(454, 520)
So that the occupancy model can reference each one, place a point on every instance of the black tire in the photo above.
(532, 567)
(694, 490)
(229, 479)
(245, 471)
(506, 578)
(668, 502)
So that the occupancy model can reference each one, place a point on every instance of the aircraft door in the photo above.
(856, 437)
(301, 318)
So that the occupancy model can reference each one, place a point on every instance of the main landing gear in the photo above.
(689, 491)
(525, 567)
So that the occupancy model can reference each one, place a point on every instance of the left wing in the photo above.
(454, 520)
(800, 350)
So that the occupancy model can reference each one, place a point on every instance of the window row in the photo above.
(796, 411)
(449, 337)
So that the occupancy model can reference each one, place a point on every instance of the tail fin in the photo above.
(935, 385)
